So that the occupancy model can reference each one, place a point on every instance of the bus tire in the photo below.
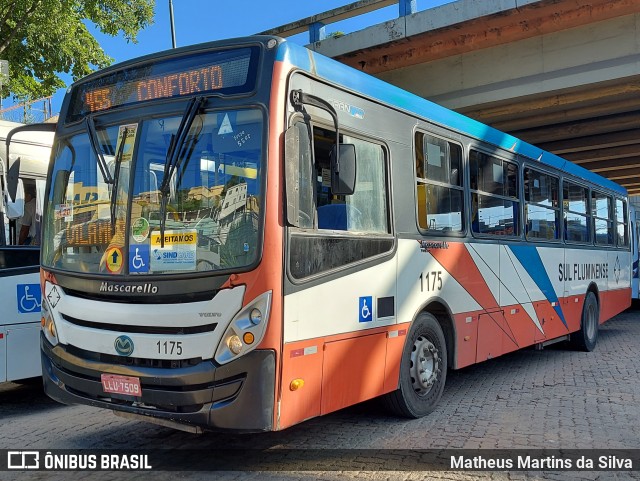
(587, 337)
(423, 370)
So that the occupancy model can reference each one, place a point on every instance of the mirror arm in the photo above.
(41, 127)
(299, 98)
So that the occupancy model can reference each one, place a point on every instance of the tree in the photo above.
(43, 38)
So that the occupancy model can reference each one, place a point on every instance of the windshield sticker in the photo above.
(139, 258)
(127, 150)
(114, 260)
(64, 211)
(225, 127)
(178, 253)
(140, 229)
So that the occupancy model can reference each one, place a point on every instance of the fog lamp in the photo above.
(234, 344)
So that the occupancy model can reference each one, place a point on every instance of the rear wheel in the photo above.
(423, 369)
(587, 337)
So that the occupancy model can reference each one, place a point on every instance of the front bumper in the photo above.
(238, 396)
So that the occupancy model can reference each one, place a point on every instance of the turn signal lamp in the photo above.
(296, 384)
(248, 338)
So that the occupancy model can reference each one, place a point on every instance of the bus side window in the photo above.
(29, 224)
(366, 209)
(439, 188)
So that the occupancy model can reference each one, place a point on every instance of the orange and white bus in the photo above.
(245, 234)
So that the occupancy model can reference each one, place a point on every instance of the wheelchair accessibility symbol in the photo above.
(366, 309)
(139, 258)
(29, 298)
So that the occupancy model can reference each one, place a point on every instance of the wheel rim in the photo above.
(425, 365)
(590, 321)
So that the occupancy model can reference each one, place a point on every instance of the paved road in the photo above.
(529, 399)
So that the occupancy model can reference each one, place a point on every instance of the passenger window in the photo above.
(28, 226)
(576, 213)
(622, 221)
(495, 205)
(337, 231)
(439, 188)
(366, 209)
(542, 209)
(602, 212)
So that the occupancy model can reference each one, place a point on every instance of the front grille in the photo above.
(182, 298)
(170, 330)
(191, 408)
(199, 389)
(133, 361)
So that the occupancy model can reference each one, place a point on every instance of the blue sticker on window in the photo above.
(29, 298)
(139, 258)
(365, 309)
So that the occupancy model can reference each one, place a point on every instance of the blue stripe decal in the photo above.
(530, 259)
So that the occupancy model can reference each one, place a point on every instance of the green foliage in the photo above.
(42, 38)
(186, 203)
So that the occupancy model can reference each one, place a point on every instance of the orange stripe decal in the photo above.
(460, 265)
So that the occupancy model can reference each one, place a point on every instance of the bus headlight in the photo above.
(246, 330)
(48, 325)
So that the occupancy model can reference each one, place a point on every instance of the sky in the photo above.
(198, 21)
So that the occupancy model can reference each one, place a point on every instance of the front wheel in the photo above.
(423, 370)
(587, 337)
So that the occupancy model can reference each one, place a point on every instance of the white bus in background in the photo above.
(634, 216)
(27, 157)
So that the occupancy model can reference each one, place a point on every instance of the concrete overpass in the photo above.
(561, 74)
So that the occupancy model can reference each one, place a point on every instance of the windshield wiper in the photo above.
(174, 158)
(93, 140)
(116, 178)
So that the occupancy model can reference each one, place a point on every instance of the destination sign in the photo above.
(226, 72)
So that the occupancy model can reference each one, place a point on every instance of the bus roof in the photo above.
(372, 87)
(42, 139)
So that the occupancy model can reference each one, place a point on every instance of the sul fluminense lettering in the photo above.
(583, 272)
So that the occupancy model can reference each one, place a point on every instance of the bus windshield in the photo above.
(111, 210)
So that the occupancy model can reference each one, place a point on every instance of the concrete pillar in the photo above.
(316, 32)
(407, 7)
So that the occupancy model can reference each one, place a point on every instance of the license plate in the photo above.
(116, 384)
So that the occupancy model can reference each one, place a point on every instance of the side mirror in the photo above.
(15, 206)
(13, 171)
(292, 174)
(13, 175)
(343, 170)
